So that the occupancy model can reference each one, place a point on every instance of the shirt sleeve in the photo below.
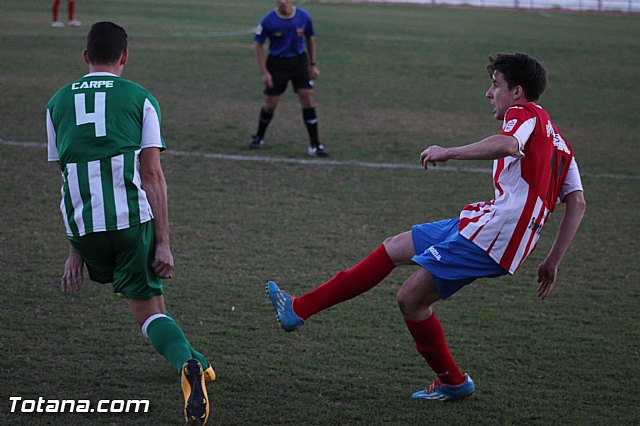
(308, 28)
(261, 32)
(572, 182)
(52, 148)
(519, 123)
(151, 136)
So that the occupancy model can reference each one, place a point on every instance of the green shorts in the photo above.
(122, 258)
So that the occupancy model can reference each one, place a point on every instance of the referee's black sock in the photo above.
(311, 121)
(263, 122)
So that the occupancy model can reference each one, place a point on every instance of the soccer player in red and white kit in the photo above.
(71, 10)
(533, 171)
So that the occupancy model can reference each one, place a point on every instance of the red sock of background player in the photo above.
(71, 8)
(431, 344)
(54, 9)
(346, 284)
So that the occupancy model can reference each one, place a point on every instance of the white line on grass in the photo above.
(200, 34)
(321, 162)
(172, 35)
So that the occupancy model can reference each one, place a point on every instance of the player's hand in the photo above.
(73, 275)
(163, 261)
(547, 279)
(267, 79)
(315, 72)
(433, 155)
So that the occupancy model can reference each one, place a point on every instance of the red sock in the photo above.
(431, 344)
(71, 8)
(346, 284)
(56, 5)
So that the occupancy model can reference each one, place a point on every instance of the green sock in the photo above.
(194, 354)
(197, 355)
(168, 340)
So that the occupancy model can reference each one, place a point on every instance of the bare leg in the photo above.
(400, 248)
(141, 309)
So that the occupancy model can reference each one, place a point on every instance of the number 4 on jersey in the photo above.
(98, 117)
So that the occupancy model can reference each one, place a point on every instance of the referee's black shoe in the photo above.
(256, 142)
(317, 151)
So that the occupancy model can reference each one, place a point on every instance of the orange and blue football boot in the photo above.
(283, 304)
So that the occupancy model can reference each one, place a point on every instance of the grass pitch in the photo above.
(394, 80)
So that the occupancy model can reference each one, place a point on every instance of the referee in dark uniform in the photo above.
(291, 38)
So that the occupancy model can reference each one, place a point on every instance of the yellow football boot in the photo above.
(209, 375)
(196, 400)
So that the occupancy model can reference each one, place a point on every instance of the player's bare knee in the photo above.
(305, 96)
(390, 243)
(395, 247)
(405, 300)
(270, 104)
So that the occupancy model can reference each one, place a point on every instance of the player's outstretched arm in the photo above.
(571, 219)
(73, 274)
(491, 148)
(155, 186)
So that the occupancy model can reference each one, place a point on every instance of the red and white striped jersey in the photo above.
(527, 188)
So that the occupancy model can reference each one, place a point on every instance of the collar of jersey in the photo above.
(293, 13)
(100, 74)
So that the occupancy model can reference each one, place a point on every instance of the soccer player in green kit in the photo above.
(105, 133)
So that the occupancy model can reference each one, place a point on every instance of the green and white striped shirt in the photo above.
(96, 128)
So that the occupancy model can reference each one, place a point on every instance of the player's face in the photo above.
(500, 96)
(284, 6)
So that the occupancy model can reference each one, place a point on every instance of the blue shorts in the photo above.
(452, 260)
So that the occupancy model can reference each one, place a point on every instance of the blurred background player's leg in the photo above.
(71, 9)
(55, 22)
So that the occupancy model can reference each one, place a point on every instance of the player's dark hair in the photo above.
(520, 69)
(106, 41)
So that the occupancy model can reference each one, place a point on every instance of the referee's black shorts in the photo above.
(282, 70)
